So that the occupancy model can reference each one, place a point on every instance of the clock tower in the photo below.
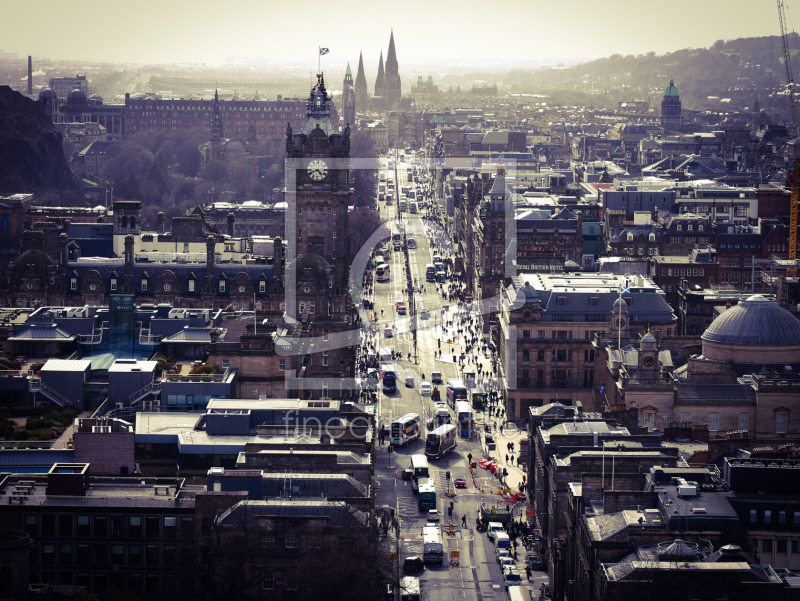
(317, 272)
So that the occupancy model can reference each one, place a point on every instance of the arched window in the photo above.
(652, 237)
(124, 221)
(630, 237)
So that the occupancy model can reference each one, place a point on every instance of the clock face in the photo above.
(167, 287)
(648, 362)
(242, 288)
(318, 170)
(621, 322)
(92, 287)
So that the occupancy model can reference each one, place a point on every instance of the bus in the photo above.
(430, 273)
(470, 377)
(419, 465)
(426, 499)
(405, 429)
(466, 422)
(478, 397)
(389, 377)
(456, 391)
(412, 207)
(411, 242)
(409, 588)
(441, 441)
(432, 549)
(441, 415)
(382, 272)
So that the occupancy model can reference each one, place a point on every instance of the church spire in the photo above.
(391, 78)
(362, 93)
(391, 58)
(379, 78)
(216, 119)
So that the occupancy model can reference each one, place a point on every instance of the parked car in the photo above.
(511, 577)
(460, 482)
(409, 381)
(425, 388)
(507, 562)
(433, 515)
(413, 564)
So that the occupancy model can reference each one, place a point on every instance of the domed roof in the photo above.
(233, 145)
(648, 338)
(755, 321)
(76, 96)
(671, 89)
(47, 93)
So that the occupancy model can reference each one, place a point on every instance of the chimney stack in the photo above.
(30, 77)
(160, 222)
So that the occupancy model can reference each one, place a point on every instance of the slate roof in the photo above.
(713, 394)
(39, 332)
(189, 335)
(755, 321)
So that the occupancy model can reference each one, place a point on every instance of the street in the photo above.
(470, 570)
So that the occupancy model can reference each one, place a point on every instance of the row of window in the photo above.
(780, 547)
(63, 525)
(767, 516)
(781, 419)
(682, 271)
(144, 285)
(101, 555)
(558, 355)
(134, 582)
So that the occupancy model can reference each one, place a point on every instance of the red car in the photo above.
(460, 482)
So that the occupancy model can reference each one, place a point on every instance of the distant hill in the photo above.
(742, 70)
(31, 156)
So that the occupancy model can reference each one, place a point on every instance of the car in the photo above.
(436, 377)
(433, 515)
(401, 307)
(424, 314)
(387, 332)
(501, 552)
(409, 381)
(408, 474)
(507, 562)
(413, 564)
(490, 444)
(511, 577)
(460, 482)
(425, 388)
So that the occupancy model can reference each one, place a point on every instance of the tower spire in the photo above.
(362, 93)
(379, 79)
(216, 119)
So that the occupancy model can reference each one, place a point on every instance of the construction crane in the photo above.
(794, 176)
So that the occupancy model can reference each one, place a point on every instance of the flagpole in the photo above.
(619, 327)
(319, 59)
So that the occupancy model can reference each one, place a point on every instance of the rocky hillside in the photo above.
(31, 155)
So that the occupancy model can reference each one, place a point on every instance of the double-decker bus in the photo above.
(426, 498)
(430, 273)
(441, 441)
(456, 391)
(405, 429)
(466, 421)
(419, 465)
(432, 549)
(389, 377)
(441, 415)
(382, 272)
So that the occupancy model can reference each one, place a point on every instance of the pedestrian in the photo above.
(528, 572)
(506, 457)
(464, 521)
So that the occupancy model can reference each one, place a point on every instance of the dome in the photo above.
(47, 93)
(233, 145)
(620, 302)
(755, 321)
(671, 89)
(76, 96)
(649, 338)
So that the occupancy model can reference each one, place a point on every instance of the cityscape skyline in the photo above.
(427, 35)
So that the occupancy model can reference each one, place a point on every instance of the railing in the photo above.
(218, 377)
(15, 373)
(36, 385)
(150, 387)
(150, 339)
(96, 337)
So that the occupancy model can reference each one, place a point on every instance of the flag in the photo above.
(602, 389)
(324, 51)
(624, 290)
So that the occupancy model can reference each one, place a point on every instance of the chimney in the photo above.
(210, 247)
(62, 250)
(31, 240)
(129, 255)
(30, 76)
(160, 222)
(231, 221)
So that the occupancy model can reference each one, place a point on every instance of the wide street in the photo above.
(470, 570)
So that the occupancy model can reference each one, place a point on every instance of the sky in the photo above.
(438, 34)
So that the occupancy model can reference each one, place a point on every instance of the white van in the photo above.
(512, 577)
(493, 528)
(501, 540)
(517, 593)
(385, 355)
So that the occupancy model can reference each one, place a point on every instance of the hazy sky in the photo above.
(436, 32)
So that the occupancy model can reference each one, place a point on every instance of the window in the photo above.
(291, 542)
(562, 301)
(191, 284)
(325, 335)
(324, 358)
(781, 517)
(686, 416)
(541, 334)
(315, 544)
(268, 580)
(526, 355)
(222, 285)
(262, 286)
(713, 421)
(325, 388)
(780, 423)
(282, 364)
(135, 526)
(753, 516)
(143, 285)
(742, 423)
(73, 283)
(766, 545)
(630, 237)
(113, 284)
(82, 525)
(268, 541)
(100, 526)
(290, 581)
(526, 334)
(540, 355)
(767, 516)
